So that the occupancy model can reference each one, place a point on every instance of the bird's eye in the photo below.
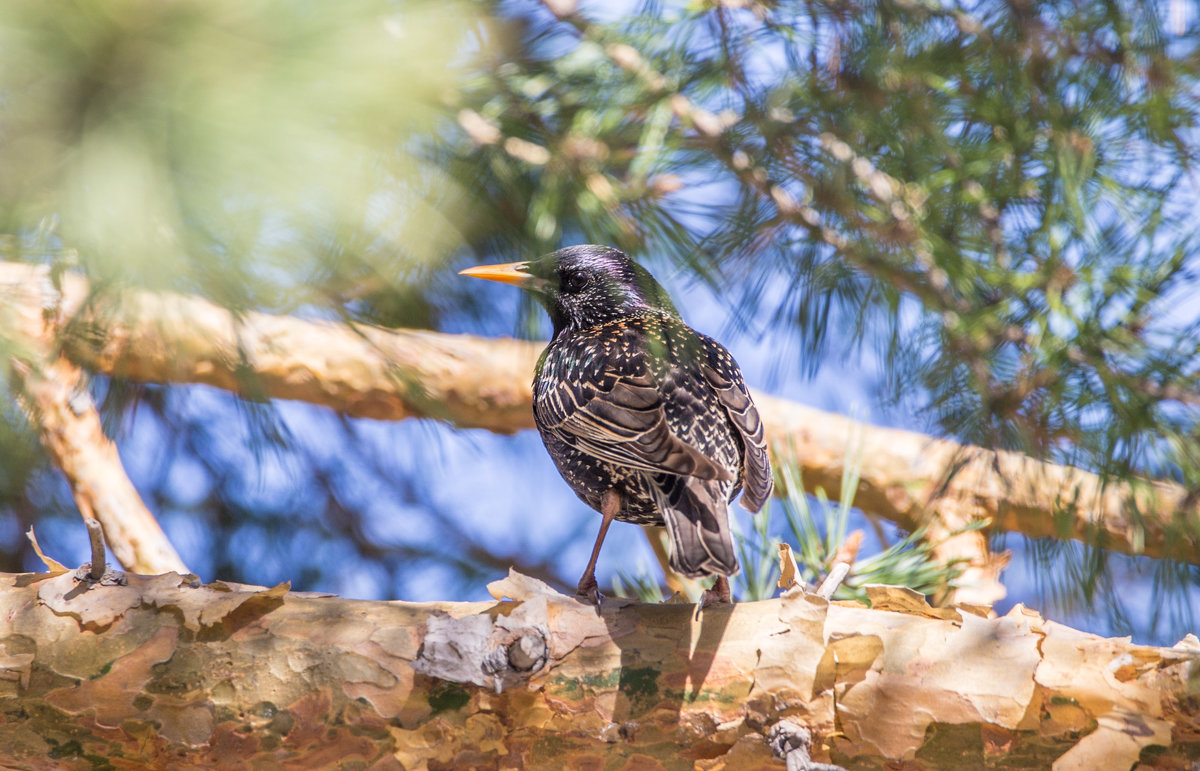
(574, 281)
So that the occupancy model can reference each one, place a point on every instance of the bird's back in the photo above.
(602, 390)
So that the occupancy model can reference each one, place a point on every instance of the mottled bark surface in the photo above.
(164, 673)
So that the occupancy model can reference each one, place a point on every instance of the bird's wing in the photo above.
(618, 417)
(725, 378)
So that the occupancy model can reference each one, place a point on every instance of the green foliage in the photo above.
(641, 584)
(995, 202)
(815, 538)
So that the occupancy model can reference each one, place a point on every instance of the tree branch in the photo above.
(163, 672)
(485, 383)
(54, 393)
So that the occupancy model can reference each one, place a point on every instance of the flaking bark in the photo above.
(165, 673)
(54, 392)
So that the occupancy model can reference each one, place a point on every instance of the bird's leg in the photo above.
(610, 504)
(718, 593)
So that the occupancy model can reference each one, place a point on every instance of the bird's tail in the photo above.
(696, 513)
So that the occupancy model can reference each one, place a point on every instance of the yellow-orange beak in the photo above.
(508, 273)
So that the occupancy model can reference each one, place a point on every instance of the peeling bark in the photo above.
(485, 383)
(69, 426)
(54, 393)
(163, 672)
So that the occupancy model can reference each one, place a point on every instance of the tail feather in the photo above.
(697, 517)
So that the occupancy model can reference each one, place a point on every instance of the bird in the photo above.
(647, 420)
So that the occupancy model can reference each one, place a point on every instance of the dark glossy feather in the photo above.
(629, 399)
(725, 379)
(659, 412)
(616, 410)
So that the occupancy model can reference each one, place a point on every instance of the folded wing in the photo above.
(620, 419)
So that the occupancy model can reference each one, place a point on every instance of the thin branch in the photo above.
(96, 537)
(837, 574)
(54, 392)
(68, 424)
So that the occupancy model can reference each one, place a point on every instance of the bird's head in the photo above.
(582, 286)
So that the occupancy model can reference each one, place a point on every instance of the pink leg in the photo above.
(610, 504)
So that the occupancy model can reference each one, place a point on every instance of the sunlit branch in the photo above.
(485, 383)
(222, 674)
(54, 392)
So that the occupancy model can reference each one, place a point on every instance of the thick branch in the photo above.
(162, 672)
(364, 371)
(485, 383)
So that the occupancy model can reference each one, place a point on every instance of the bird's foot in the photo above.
(589, 592)
(719, 593)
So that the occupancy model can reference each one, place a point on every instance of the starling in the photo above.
(646, 419)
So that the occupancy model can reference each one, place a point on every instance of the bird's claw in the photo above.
(719, 593)
(589, 593)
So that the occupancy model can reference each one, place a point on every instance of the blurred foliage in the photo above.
(996, 200)
(641, 584)
(991, 201)
(261, 153)
(269, 156)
